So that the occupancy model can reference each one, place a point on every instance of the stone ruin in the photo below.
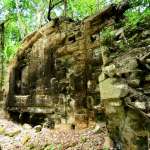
(64, 74)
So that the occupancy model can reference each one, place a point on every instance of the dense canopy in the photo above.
(24, 16)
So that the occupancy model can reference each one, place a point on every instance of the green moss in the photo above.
(142, 143)
(2, 130)
(107, 36)
(100, 117)
(50, 147)
(83, 139)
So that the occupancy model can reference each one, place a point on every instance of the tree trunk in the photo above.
(65, 8)
(49, 11)
(1, 55)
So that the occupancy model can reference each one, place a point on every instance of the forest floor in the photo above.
(14, 136)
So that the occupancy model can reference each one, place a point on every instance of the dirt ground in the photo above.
(14, 136)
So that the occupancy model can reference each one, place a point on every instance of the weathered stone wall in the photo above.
(65, 72)
(56, 71)
(56, 74)
(124, 88)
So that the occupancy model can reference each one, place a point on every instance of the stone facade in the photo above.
(64, 72)
(54, 73)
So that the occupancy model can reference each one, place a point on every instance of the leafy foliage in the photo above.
(134, 17)
(77, 11)
(24, 16)
(107, 36)
(139, 12)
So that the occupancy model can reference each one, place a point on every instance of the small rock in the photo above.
(38, 128)
(25, 139)
(110, 70)
(134, 83)
(99, 126)
(13, 132)
(27, 126)
(140, 105)
(108, 143)
(2, 130)
(147, 61)
(147, 78)
(131, 65)
(145, 33)
(102, 77)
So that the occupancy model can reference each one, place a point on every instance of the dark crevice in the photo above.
(72, 39)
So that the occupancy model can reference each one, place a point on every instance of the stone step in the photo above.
(21, 99)
(147, 78)
(44, 110)
(39, 101)
(147, 91)
(147, 61)
(81, 121)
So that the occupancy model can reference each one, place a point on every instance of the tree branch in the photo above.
(124, 5)
(51, 6)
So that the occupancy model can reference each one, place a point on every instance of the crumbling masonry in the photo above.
(63, 73)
